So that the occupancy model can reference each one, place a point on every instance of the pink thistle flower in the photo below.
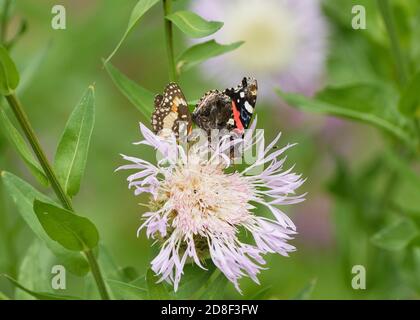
(198, 208)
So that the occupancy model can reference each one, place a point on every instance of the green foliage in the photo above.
(409, 103)
(139, 10)
(193, 25)
(306, 292)
(35, 270)
(341, 13)
(40, 295)
(156, 290)
(193, 279)
(129, 273)
(371, 103)
(412, 268)
(216, 288)
(24, 196)
(140, 97)
(68, 229)
(405, 196)
(261, 294)
(32, 67)
(9, 75)
(127, 291)
(375, 208)
(396, 236)
(22, 148)
(73, 148)
(3, 296)
(202, 52)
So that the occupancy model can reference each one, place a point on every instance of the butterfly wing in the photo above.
(244, 98)
(171, 109)
(213, 111)
(158, 114)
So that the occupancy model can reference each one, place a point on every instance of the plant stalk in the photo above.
(167, 7)
(96, 272)
(399, 58)
(65, 200)
(39, 153)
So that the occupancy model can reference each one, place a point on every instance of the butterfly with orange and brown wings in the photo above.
(171, 110)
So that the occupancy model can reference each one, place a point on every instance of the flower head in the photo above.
(199, 204)
(284, 42)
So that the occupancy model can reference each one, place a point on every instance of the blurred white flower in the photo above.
(285, 42)
(198, 208)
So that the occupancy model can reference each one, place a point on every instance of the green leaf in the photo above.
(370, 103)
(73, 148)
(405, 196)
(193, 25)
(129, 273)
(193, 279)
(35, 270)
(9, 75)
(3, 296)
(411, 268)
(109, 268)
(306, 292)
(157, 291)
(127, 291)
(32, 67)
(40, 295)
(140, 281)
(23, 194)
(340, 13)
(22, 148)
(396, 236)
(139, 10)
(261, 294)
(202, 52)
(71, 231)
(216, 288)
(140, 97)
(409, 103)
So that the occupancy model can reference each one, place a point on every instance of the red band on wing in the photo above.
(237, 117)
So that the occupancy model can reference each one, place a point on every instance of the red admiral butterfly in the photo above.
(231, 109)
(214, 111)
(244, 98)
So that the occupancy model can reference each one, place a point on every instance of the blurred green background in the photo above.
(342, 160)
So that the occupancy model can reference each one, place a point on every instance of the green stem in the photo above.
(400, 62)
(96, 271)
(167, 7)
(39, 153)
(4, 20)
(29, 132)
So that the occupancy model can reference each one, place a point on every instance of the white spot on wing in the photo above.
(248, 107)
